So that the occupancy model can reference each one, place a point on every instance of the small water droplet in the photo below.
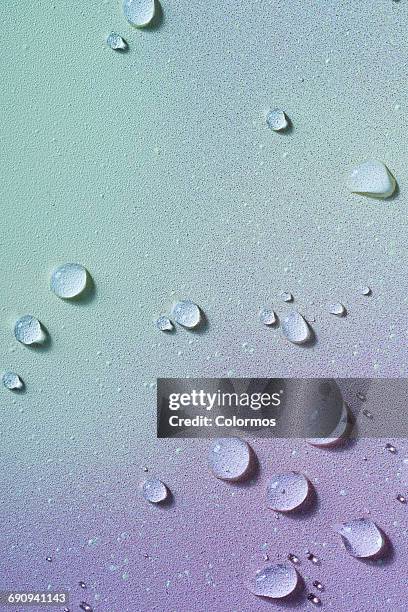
(85, 607)
(116, 42)
(287, 491)
(314, 599)
(230, 458)
(267, 316)
(186, 313)
(367, 413)
(361, 396)
(164, 324)
(312, 558)
(366, 291)
(337, 309)
(390, 447)
(274, 581)
(28, 330)
(286, 296)
(139, 12)
(372, 178)
(82, 584)
(293, 558)
(12, 381)
(69, 280)
(155, 491)
(361, 537)
(266, 557)
(296, 329)
(401, 498)
(318, 585)
(49, 559)
(277, 120)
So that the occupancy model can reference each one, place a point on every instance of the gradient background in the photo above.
(155, 170)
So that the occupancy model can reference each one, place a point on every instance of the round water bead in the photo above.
(267, 316)
(230, 458)
(274, 581)
(155, 491)
(296, 329)
(286, 296)
(372, 178)
(12, 381)
(277, 120)
(116, 42)
(287, 491)
(28, 330)
(366, 291)
(337, 309)
(164, 324)
(361, 537)
(139, 12)
(186, 313)
(69, 280)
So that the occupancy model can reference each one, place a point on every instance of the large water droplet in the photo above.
(372, 178)
(287, 491)
(337, 309)
(361, 537)
(28, 330)
(296, 329)
(139, 12)
(277, 120)
(230, 458)
(267, 316)
(155, 491)
(12, 381)
(186, 313)
(164, 324)
(337, 434)
(116, 42)
(69, 280)
(274, 581)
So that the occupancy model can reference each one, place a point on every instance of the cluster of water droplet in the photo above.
(186, 313)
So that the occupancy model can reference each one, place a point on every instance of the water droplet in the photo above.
(366, 291)
(390, 447)
(186, 313)
(401, 498)
(337, 434)
(274, 581)
(49, 559)
(82, 584)
(164, 324)
(337, 309)
(155, 491)
(287, 491)
(116, 42)
(314, 599)
(286, 297)
(69, 280)
(267, 316)
(12, 381)
(85, 607)
(312, 558)
(372, 178)
(139, 12)
(277, 120)
(28, 330)
(296, 329)
(230, 458)
(367, 413)
(361, 537)
(361, 396)
(293, 558)
(318, 585)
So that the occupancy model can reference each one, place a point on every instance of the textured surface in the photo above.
(156, 171)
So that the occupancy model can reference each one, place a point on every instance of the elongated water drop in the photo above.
(155, 491)
(318, 585)
(164, 324)
(296, 329)
(277, 120)
(390, 448)
(186, 313)
(230, 458)
(361, 537)
(28, 330)
(314, 599)
(274, 581)
(116, 42)
(287, 491)
(267, 316)
(293, 558)
(139, 12)
(69, 280)
(12, 381)
(337, 309)
(372, 178)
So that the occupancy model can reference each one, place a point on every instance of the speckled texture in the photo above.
(155, 169)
